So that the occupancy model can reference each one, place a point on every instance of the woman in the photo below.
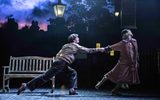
(126, 70)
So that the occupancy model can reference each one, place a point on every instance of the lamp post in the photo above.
(59, 9)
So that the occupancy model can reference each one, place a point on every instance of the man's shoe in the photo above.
(72, 92)
(22, 88)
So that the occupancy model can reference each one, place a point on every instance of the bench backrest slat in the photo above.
(11, 64)
(20, 63)
(23, 64)
(30, 64)
(40, 65)
(34, 64)
(50, 63)
(47, 63)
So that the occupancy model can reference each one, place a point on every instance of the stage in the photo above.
(84, 94)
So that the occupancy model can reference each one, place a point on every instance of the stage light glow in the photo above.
(116, 14)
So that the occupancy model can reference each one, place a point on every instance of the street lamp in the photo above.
(59, 9)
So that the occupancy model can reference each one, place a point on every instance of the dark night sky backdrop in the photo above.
(24, 11)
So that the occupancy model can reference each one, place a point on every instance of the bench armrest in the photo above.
(5, 69)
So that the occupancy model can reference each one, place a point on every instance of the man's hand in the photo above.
(100, 49)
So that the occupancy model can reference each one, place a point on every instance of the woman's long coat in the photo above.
(126, 70)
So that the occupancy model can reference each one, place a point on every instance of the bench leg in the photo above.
(6, 84)
(53, 84)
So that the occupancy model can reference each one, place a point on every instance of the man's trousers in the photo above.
(57, 66)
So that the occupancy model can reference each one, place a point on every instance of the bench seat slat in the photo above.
(22, 75)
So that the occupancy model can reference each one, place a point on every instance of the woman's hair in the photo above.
(72, 37)
(126, 33)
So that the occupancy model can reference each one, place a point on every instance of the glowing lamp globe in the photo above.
(59, 9)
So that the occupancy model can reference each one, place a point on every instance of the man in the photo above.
(64, 58)
(126, 70)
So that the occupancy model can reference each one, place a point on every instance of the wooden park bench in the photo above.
(26, 67)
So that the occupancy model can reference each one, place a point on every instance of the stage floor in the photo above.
(84, 94)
